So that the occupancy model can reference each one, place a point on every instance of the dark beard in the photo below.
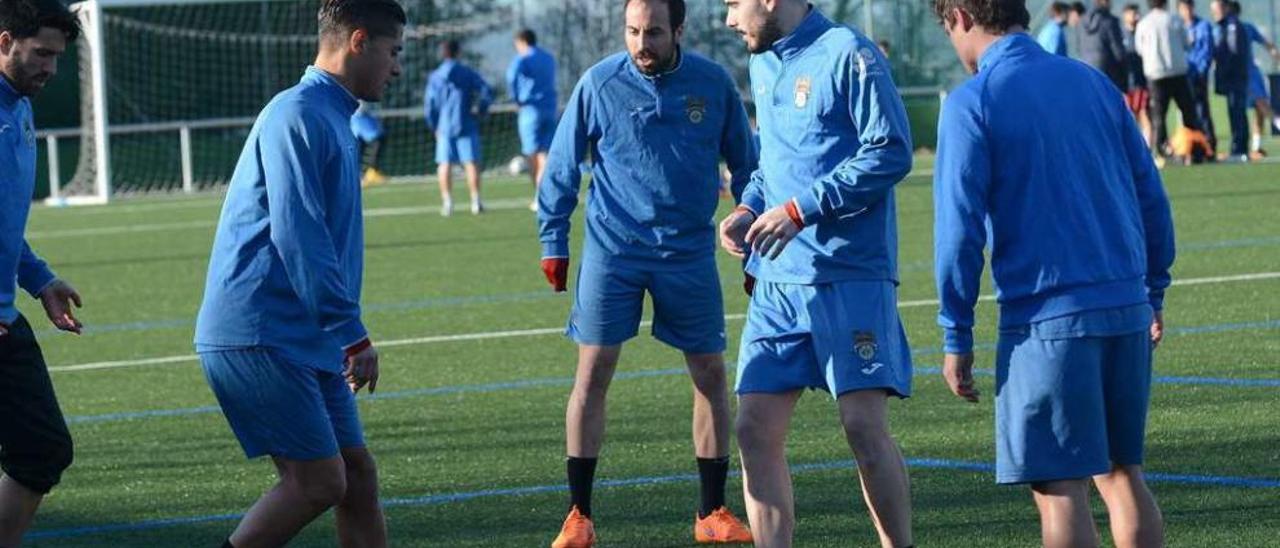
(770, 33)
(662, 65)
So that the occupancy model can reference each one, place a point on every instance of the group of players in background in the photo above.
(1072, 209)
(1161, 57)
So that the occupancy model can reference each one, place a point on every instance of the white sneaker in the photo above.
(533, 206)
(446, 209)
(477, 208)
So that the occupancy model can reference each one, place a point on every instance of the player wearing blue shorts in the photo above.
(657, 119)
(531, 81)
(370, 135)
(1081, 242)
(456, 98)
(820, 223)
(1258, 96)
(279, 333)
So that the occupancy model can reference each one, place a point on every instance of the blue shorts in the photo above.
(1069, 406)
(282, 409)
(840, 337)
(537, 128)
(463, 149)
(688, 312)
(1257, 85)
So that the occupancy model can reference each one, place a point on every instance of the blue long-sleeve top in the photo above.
(19, 266)
(456, 95)
(1072, 206)
(288, 256)
(834, 137)
(531, 80)
(1200, 54)
(656, 144)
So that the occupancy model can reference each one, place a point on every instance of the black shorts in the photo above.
(35, 446)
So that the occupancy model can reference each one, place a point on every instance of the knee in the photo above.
(867, 437)
(707, 374)
(322, 491)
(361, 468)
(753, 433)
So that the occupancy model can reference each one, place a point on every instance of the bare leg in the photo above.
(710, 405)
(763, 421)
(881, 469)
(1065, 520)
(359, 515)
(585, 415)
(306, 489)
(444, 174)
(17, 509)
(473, 184)
(1135, 518)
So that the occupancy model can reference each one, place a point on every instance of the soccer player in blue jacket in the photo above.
(1081, 242)
(35, 446)
(531, 82)
(456, 98)
(820, 222)
(279, 333)
(657, 119)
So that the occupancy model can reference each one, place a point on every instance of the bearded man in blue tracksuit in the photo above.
(821, 224)
(657, 120)
(1081, 242)
(280, 334)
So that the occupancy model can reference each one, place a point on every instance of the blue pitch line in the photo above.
(452, 498)
(1218, 328)
(1242, 242)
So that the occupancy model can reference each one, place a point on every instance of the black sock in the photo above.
(713, 473)
(582, 473)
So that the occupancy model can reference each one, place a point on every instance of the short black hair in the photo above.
(1078, 7)
(1191, 3)
(1059, 8)
(1156, 4)
(378, 18)
(25, 18)
(994, 15)
(675, 8)
(1133, 7)
(527, 36)
(1233, 6)
(449, 48)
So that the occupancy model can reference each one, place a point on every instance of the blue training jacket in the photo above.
(531, 81)
(288, 257)
(455, 97)
(17, 183)
(1071, 205)
(656, 144)
(1200, 54)
(834, 136)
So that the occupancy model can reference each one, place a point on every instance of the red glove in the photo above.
(749, 284)
(557, 271)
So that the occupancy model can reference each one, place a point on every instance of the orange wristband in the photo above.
(794, 213)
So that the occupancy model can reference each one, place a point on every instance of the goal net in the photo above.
(170, 89)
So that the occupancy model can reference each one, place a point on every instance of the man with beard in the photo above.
(821, 225)
(35, 447)
(657, 120)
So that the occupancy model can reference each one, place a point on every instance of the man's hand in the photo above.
(733, 231)
(556, 269)
(57, 299)
(957, 369)
(1157, 328)
(362, 366)
(773, 230)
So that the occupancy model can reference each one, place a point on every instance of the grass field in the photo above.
(468, 422)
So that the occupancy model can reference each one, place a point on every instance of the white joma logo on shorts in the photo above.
(871, 369)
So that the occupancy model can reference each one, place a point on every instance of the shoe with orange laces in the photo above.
(720, 527)
(577, 532)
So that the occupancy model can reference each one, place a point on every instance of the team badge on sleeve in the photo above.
(695, 108)
(864, 344)
(804, 86)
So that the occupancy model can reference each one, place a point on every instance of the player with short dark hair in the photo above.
(1082, 242)
(819, 221)
(279, 334)
(456, 98)
(35, 446)
(1053, 35)
(656, 119)
(531, 82)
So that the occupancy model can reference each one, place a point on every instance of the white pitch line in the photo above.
(485, 335)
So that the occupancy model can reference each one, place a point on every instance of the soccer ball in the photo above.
(518, 166)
